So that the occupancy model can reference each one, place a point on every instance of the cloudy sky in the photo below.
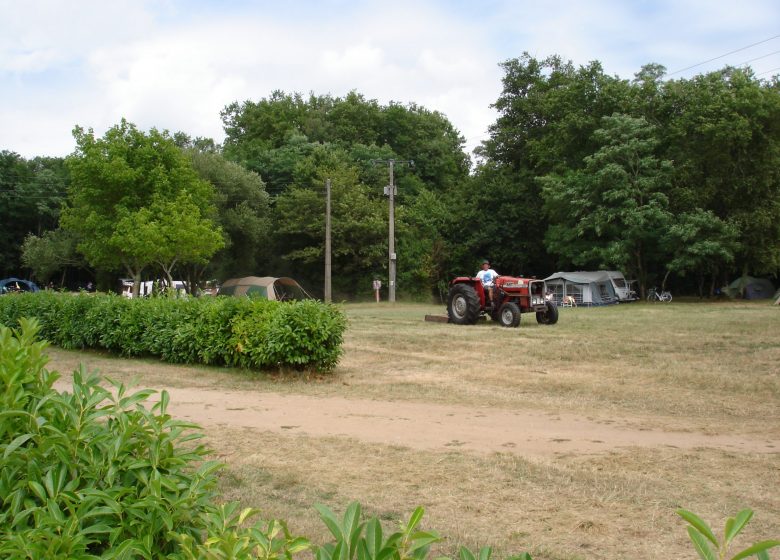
(174, 64)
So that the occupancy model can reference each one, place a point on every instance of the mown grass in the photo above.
(684, 366)
(696, 360)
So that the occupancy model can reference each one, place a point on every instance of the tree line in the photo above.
(671, 181)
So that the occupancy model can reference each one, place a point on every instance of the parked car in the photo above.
(268, 287)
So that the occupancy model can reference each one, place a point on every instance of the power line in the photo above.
(757, 58)
(722, 56)
(768, 71)
(481, 135)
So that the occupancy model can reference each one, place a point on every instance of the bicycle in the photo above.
(654, 295)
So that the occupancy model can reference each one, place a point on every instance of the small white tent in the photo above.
(587, 288)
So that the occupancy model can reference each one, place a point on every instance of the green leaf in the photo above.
(340, 552)
(37, 489)
(49, 484)
(298, 544)
(756, 549)
(245, 513)
(485, 553)
(92, 529)
(701, 545)
(700, 525)
(55, 511)
(330, 520)
(165, 398)
(734, 526)
(465, 554)
(352, 526)
(362, 551)
(124, 549)
(388, 551)
(415, 519)
(373, 537)
(421, 539)
(14, 445)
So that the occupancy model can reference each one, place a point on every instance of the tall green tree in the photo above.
(359, 225)
(116, 180)
(169, 233)
(548, 111)
(243, 213)
(52, 252)
(702, 245)
(423, 250)
(498, 215)
(614, 211)
(296, 143)
(723, 131)
(720, 129)
(31, 193)
(265, 135)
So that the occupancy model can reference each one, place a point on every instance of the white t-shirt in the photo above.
(487, 277)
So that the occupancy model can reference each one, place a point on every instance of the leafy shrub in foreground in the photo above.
(90, 472)
(364, 540)
(95, 474)
(251, 333)
(710, 548)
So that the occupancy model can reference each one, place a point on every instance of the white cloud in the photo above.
(39, 34)
(92, 63)
(352, 59)
(182, 79)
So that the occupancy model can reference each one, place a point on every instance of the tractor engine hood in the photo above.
(512, 282)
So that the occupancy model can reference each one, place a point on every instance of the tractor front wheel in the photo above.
(549, 316)
(463, 305)
(509, 315)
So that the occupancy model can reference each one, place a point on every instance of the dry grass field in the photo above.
(703, 369)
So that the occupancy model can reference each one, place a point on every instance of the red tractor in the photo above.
(468, 300)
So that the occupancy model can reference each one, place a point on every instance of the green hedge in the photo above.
(243, 332)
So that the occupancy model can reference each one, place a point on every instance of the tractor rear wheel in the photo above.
(463, 305)
(509, 315)
(549, 316)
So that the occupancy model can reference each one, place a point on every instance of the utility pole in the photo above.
(390, 192)
(328, 298)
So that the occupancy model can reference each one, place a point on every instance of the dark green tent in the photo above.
(747, 287)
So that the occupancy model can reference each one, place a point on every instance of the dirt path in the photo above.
(437, 427)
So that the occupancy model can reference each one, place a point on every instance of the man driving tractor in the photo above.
(502, 298)
(487, 276)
